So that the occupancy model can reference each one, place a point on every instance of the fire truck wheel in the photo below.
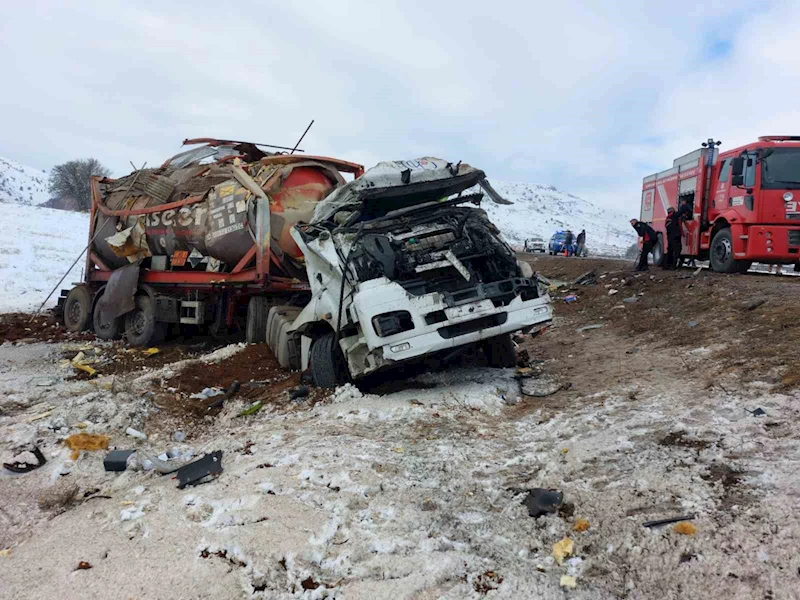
(77, 308)
(658, 251)
(257, 312)
(721, 252)
(328, 367)
(743, 266)
(141, 327)
(500, 352)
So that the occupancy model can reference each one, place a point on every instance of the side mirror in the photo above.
(737, 171)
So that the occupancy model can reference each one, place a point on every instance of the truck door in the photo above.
(743, 191)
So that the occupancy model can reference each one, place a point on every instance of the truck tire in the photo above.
(721, 252)
(77, 309)
(658, 251)
(743, 266)
(108, 331)
(257, 311)
(141, 327)
(500, 352)
(327, 364)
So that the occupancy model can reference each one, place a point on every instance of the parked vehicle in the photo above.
(558, 243)
(536, 244)
(401, 268)
(743, 204)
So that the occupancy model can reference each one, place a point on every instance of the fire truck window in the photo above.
(725, 170)
(749, 171)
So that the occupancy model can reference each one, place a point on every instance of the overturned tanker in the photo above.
(403, 264)
(198, 241)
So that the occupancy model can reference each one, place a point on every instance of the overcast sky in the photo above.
(588, 96)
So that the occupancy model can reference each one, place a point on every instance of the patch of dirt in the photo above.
(678, 438)
(730, 480)
(41, 328)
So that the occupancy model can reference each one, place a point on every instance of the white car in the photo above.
(537, 245)
(403, 264)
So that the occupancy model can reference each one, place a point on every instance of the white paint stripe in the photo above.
(662, 195)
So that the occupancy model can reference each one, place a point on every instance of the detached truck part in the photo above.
(401, 267)
(198, 241)
(744, 204)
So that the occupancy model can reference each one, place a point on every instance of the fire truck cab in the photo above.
(745, 203)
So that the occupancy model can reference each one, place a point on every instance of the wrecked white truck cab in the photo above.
(401, 267)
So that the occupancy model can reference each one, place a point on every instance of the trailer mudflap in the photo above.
(119, 293)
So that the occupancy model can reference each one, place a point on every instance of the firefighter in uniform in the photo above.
(673, 227)
(685, 213)
(649, 239)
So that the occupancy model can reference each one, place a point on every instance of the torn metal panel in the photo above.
(119, 293)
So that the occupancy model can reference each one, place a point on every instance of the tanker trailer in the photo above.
(197, 240)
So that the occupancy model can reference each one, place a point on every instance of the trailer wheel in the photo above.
(500, 352)
(141, 327)
(77, 309)
(328, 368)
(721, 252)
(257, 312)
(106, 331)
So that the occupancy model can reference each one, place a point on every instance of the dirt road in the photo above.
(415, 493)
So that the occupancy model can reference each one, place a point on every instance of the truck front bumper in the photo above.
(434, 326)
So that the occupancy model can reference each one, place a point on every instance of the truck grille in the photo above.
(794, 237)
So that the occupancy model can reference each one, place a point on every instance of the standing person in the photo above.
(581, 242)
(673, 227)
(568, 243)
(649, 239)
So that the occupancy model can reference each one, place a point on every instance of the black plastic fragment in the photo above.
(117, 460)
(299, 392)
(667, 521)
(21, 467)
(209, 465)
(541, 501)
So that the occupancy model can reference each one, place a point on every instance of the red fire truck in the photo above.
(745, 203)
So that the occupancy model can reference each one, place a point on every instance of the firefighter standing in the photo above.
(684, 214)
(649, 239)
(568, 243)
(673, 227)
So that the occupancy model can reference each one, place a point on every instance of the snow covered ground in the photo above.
(22, 184)
(37, 245)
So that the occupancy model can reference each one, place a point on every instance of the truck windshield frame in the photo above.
(780, 169)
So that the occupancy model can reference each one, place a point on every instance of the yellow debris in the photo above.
(150, 351)
(85, 441)
(563, 549)
(685, 528)
(5, 552)
(39, 416)
(86, 368)
(568, 582)
(564, 450)
(580, 525)
(398, 450)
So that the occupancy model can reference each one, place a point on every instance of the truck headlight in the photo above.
(788, 197)
(392, 323)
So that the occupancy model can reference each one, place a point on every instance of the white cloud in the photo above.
(587, 96)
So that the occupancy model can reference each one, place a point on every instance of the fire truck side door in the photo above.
(742, 197)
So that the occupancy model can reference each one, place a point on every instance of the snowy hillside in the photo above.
(540, 211)
(21, 184)
(36, 248)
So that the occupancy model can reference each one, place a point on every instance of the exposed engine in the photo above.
(453, 250)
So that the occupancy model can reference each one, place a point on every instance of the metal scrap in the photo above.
(210, 466)
(23, 467)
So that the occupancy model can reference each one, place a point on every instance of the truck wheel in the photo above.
(658, 251)
(743, 266)
(500, 352)
(721, 252)
(257, 311)
(141, 327)
(106, 331)
(77, 308)
(328, 368)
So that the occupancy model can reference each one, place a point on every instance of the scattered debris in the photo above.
(26, 467)
(581, 525)
(86, 441)
(252, 409)
(667, 521)
(685, 528)
(753, 304)
(541, 501)
(567, 581)
(150, 351)
(759, 412)
(299, 392)
(631, 300)
(540, 387)
(59, 495)
(178, 436)
(570, 298)
(588, 278)
(697, 272)
(117, 460)
(81, 363)
(563, 549)
(43, 415)
(229, 393)
(5, 552)
(612, 291)
(589, 327)
(486, 582)
(195, 472)
(207, 393)
(693, 323)
(83, 566)
(135, 433)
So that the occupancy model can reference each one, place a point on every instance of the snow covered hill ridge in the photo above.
(540, 211)
(22, 184)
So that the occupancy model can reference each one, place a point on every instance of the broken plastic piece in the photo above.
(135, 433)
(667, 521)
(299, 392)
(757, 412)
(580, 525)
(568, 581)
(252, 409)
(117, 460)
(570, 298)
(541, 501)
(208, 466)
(21, 467)
(563, 549)
(83, 566)
(85, 441)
